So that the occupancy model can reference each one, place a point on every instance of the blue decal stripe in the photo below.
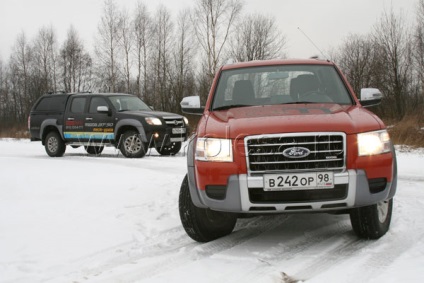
(89, 135)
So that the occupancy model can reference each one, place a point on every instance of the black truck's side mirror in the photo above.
(104, 110)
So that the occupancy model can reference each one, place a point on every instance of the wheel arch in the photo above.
(48, 126)
(191, 174)
(393, 187)
(127, 125)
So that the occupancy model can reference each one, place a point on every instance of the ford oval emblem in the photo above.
(296, 152)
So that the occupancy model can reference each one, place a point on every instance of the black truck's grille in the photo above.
(174, 121)
(324, 151)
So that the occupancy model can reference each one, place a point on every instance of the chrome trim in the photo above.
(176, 139)
(174, 120)
(294, 135)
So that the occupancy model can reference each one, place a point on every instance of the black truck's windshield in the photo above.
(289, 84)
(128, 103)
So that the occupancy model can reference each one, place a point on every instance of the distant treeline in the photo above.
(162, 58)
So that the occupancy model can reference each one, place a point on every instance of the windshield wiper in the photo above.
(226, 107)
(301, 102)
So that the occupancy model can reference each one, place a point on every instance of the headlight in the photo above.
(153, 121)
(210, 149)
(185, 120)
(373, 143)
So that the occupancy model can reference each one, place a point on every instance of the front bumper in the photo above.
(244, 194)
(166, 136)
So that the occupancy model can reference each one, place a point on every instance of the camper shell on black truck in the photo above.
(98, 120)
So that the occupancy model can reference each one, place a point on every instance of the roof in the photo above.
(89, 93)
(261, 63)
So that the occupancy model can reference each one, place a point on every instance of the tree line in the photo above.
(162, 57)
(390, 57)
(147, 53)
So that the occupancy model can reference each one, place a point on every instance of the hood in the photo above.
(157, 114)
(272, 119)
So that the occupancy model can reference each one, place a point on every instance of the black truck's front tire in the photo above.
(372, 222)
(131, 145)
(203, 225)
(170, 149)
(54, 145)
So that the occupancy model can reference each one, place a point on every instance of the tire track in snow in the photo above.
(180, 250)
(329, 240)
(154, 256)
(407, 215)
(411, 178)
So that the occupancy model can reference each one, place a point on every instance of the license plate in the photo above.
(178, 130)
(298, 181)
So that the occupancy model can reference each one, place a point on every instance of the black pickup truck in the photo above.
(98, 120)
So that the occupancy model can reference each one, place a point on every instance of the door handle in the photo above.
(71, 119)
(88, 119)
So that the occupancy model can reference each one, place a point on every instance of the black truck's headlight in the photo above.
(153, 121)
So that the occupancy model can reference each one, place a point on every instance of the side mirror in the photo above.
(370, 97)
(191, 105)
(103, 110)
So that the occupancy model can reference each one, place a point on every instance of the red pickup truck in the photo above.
(284, 136)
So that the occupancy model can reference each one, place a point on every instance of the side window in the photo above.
(50, 103)
(78, 104)
(96, 102)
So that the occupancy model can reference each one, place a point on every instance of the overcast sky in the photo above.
(326, 22)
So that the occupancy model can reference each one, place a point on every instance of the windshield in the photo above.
(289, 84)
(128, 103)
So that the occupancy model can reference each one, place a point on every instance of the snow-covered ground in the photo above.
(111, 219)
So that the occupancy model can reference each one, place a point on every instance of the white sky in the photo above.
(326, 22)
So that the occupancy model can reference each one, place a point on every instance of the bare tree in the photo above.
(20, 79)
(356, 58)
(3, 94)
(45, 57)
(257, 38)
(184, 51)
(107, 46)
(392, 37)
(213, 21)
(419, 50)
(127, 46)
(161, 58)
(142, 32)
(76, 64)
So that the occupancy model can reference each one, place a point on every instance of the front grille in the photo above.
(326, 151)
(174, 121)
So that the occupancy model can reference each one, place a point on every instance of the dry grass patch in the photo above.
(17, 132)
(409, 131)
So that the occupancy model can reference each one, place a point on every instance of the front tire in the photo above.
(372, 222)
(131, 145)
(201, 224)
(171, 149)
(54, 145)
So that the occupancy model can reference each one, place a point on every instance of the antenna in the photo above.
(310, 40)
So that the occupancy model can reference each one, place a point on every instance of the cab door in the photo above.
(75, 119)
(99, 124)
